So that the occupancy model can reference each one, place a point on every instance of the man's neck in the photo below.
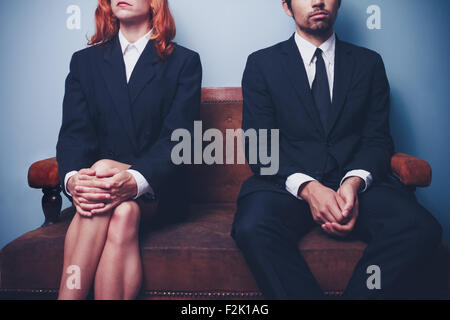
(134, 31)
(315, 39)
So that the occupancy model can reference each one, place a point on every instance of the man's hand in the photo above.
(122, 187)
(326, 205)
(87, 191)
(349, 192)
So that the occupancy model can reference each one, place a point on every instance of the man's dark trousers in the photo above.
(401, 235)
(269, 222)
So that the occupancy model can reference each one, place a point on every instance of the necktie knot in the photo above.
(318, 53)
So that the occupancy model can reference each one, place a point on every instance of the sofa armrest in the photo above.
(412, 171)
(44, 175)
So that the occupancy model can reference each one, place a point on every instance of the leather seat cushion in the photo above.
(195, 255)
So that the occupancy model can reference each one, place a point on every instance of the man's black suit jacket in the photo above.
(277, 95)
(106, 118)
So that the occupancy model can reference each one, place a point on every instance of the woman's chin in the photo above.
(127, 18)
(124, 15)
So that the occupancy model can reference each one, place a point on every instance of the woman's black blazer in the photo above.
(106, 118)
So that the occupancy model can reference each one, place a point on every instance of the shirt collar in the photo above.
(139, 44)
(307, 49)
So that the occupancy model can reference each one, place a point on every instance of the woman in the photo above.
(125, 94)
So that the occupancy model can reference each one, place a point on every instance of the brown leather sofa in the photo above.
(196, 258)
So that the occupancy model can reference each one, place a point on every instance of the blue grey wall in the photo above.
(36, 47)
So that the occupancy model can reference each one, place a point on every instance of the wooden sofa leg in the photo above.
(51, 205)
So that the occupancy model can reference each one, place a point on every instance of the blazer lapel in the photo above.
(113, 69)
(343, 72)
(294, 67)
(144, 71)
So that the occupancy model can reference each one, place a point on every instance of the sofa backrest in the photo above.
(221, 108)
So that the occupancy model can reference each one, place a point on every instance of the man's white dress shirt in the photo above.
(307, 51)
(131, 53)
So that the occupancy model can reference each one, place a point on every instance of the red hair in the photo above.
(160, 17)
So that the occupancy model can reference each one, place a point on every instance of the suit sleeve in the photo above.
(259, 113)
(77, 142)
(376, 147)
(156, 164)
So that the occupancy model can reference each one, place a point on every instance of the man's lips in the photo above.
(123, 4)
(319, 14)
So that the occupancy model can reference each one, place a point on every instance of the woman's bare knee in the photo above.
(106, 165)
(124, 225)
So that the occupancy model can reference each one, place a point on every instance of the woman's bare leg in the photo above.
(83, 246)
(84, 243)
(119, 274)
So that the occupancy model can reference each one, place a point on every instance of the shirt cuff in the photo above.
(366, 176)
(295, 181)
(66, 178)
(143, 186)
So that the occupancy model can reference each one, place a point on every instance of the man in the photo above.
(330, 101)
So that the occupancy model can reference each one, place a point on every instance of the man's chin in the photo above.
(318, 28)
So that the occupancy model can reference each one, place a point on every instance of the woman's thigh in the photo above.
(170, 207)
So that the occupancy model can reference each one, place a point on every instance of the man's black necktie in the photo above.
(321, 90)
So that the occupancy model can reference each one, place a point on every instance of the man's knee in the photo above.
(251, 233)
(244, 233)
(261, 221)
(124, 223)
(421, 232)
(429, 231)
